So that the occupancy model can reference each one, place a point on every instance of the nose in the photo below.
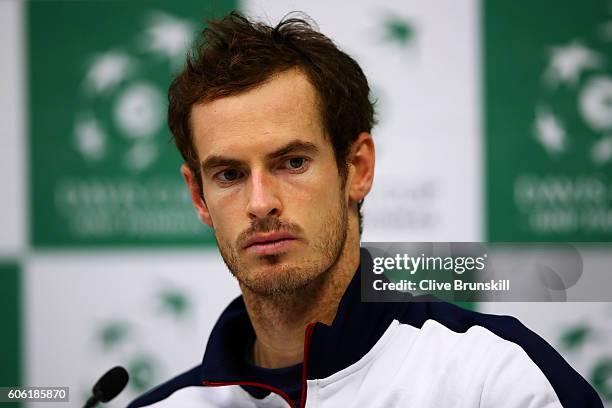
(263, 198)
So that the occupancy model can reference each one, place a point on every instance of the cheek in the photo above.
(224, 214)
(313, 200)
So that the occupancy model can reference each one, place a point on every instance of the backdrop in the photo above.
(495, 123)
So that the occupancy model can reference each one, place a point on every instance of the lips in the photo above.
(268, 238)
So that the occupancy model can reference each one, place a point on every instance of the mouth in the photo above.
(270, 244)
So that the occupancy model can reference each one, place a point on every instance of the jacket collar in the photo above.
(354, 331)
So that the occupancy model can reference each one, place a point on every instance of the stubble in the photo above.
(282, 278)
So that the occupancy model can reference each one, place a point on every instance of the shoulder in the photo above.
(502, 346)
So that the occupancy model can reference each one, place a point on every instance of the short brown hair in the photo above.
(236, 54)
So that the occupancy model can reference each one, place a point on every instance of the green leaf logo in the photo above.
(142, 372)
(113, 334)
(575, 337)
(175, 302)
(398, 31)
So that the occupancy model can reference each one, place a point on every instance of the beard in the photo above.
(281, 277)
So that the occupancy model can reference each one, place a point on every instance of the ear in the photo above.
(361, 167)
(195, 191)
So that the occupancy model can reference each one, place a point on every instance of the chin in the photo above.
(276, 279)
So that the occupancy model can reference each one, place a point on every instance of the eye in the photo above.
(296, 163)
(228, 175)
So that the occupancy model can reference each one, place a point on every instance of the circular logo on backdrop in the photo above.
(575, 98)
(123, 108)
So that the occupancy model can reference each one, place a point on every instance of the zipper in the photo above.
(307, 337)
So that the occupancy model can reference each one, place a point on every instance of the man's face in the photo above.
(273, 194)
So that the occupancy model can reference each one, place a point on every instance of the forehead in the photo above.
(283, 108)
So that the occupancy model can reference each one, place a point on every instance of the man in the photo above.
(274, 125)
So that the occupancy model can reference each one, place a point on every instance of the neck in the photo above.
(280, 321)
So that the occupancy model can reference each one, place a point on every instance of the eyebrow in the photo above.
(214, 161)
